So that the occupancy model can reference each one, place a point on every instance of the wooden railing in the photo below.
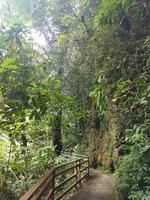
(60, 180)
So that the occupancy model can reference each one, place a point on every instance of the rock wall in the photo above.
(103, 139)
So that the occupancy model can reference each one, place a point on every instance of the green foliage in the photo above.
(111, 12)
(32, 98)
(124, 63)
(100, 98)
(89, 44)
(134, 169)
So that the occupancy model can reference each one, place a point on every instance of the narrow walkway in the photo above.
(99, 187)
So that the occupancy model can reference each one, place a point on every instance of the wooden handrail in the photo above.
(65, 181)
(47, 189)
(65, 164)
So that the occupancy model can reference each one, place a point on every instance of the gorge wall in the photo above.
(103, 139)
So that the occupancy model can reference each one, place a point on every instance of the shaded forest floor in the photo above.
(99, 187)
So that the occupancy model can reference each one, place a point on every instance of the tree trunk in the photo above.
(57, 140)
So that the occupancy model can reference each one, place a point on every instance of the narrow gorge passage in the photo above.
(99, 187)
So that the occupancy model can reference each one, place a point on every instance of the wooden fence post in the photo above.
(47, 188)
(79, 173)
(53, 185)
(76, 173)
(88, 166)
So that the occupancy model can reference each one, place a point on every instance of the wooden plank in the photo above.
(65, 170)
(42, 189)
(37, 190)
(66, 191)
(84, 168)
(29, 194)
(76, 173)
(75, 154)
(85, 161)
(88, 166)
(50, 194)
(70, 188)
(63, 165)
(83, 177)
(79, 173)
(65, 181)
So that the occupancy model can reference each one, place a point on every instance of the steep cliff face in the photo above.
(94, 141)
(108, 152)
(103, 140)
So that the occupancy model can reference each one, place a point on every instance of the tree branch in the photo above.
(129, 10)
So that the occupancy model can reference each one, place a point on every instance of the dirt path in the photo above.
(99, 187)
